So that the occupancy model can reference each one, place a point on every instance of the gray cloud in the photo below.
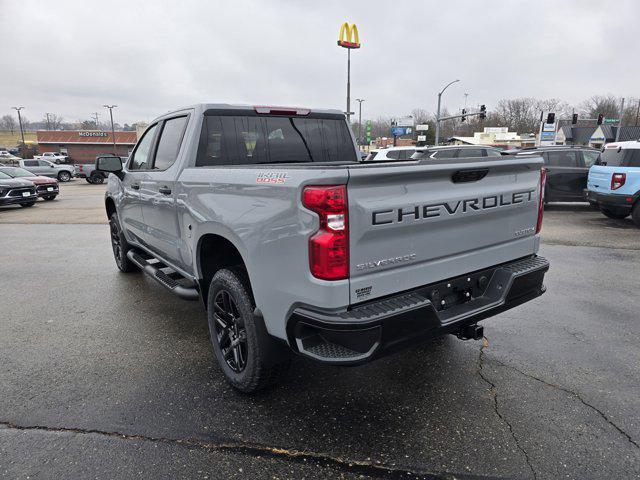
(70, 57)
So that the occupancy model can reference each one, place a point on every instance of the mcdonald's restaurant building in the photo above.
(82, 146)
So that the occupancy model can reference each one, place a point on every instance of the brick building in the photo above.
(82, 146)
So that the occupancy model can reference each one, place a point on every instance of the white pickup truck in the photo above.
(54, 157)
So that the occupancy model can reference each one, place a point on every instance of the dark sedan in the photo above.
(17, 190)
(46, 187)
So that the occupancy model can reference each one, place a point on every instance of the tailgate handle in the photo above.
(462, 176)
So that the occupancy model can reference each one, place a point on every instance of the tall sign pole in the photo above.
(349, 39)
(17, 109)
(113, 132)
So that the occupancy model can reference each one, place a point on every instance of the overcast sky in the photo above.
(71, 57)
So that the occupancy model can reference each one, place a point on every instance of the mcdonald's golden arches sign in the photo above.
(349, 37)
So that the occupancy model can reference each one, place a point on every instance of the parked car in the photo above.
(5, 155)
(390, 154)
(456, 151)
(46, 187)
(64, 173)
(89, 172)
(55, 157)
(614, 181)
(567, 171)
(17, 190)
(294, 244)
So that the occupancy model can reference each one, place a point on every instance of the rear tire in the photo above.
(120, 246)
(635, 214)
(64, 176)
(250, 359)
(615, 213)
(97, 179)
(27, 204)
(49, 198)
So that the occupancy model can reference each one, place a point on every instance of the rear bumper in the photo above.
(616, 200)
(370, 330)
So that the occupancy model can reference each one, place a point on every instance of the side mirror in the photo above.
(109, 165)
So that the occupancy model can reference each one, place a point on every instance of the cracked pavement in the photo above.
(104, 375)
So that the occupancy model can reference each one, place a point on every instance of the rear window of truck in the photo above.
(616, 157)
(228, 140)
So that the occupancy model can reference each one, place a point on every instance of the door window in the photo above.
(394, 155)
(589, 157)
(30, 163)
(141, 157)
(493, 153)
(447, 153)
(562, 158)
(470, 152)
(43, 163)
(169, 143)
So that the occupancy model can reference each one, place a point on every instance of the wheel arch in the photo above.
(110, 206)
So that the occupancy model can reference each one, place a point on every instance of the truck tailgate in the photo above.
(413, 224)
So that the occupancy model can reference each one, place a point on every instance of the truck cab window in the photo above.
(140, 158)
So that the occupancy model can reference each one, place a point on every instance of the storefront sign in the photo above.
(92, 134)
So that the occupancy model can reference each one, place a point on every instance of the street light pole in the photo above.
(438, 111)
(359, 100)
(17, 109)
(113, 132)
(48, 122)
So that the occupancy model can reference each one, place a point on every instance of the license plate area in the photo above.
(459, 290)
(26, 194)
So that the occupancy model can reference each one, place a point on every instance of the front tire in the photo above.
(97, 179)
(615, 213)
(120, 246)
(49, 198)
(64, 176)
(250, 359)
(27, 204)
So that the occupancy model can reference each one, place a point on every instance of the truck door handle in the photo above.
(165, 190)
(135, 186)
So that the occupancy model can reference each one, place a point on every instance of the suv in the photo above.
(390, 154)
(293, 244)
(567, 170)
(614, 181)
(456, 151)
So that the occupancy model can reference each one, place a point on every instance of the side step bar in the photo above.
(154, 271)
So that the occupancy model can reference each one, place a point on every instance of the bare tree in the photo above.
(7, 122)
(53, 121)
(608, 105)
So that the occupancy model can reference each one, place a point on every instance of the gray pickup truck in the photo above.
(268, 216)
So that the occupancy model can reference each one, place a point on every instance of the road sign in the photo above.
(549, 127)
(422, 138)
(548, 136)
(611, 120)
(423, 127)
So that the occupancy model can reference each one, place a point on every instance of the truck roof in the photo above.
(200, 108)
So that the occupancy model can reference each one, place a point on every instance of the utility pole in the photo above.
(48, 123)
(95, 115)
(620, 120)
(637, 112)
(113, 132)
(17, 109)
(438, 111)
(359, 100)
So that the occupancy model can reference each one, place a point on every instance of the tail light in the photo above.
(329, 246)
(617, 180)
(543, 182)
(80, 167)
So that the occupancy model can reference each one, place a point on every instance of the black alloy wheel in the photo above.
(230, 331)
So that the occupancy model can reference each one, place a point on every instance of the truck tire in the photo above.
(48, 198)
(615, 213)
(27, 204)
(64, 176)
(250, 359)
(635, 214)
(120, 246)
(97, 179)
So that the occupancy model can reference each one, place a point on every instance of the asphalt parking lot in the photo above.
(106, 375)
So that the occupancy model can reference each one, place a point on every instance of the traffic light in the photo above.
(600, 118)
(483, 112)
(551, 117)
(574, 119)
(464, 111)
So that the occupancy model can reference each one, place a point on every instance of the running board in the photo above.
(164, 279)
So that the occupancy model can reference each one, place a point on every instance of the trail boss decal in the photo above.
(272, 177)
(424, 212)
